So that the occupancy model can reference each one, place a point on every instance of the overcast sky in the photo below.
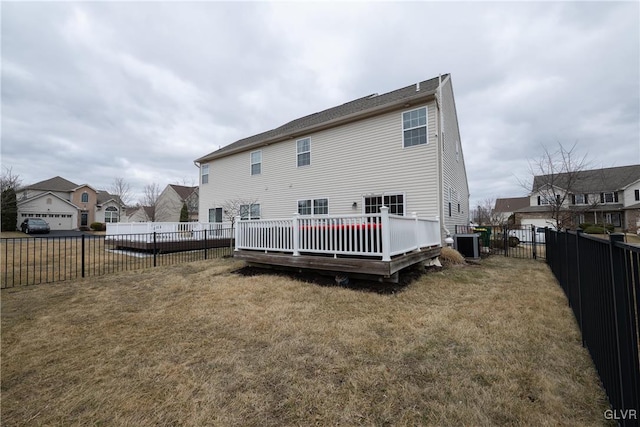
(95, 91)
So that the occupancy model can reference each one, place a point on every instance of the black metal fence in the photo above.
(31, 261)
(512, 241)
(602, 283)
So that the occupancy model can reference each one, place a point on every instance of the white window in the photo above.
(256, 163)
(414, 127)
(85, 198)
(204, 174)
(395, 203)
(111, 214)
(313, 206)
(581, 199)
(215, 215)
(251, 211)
(304, 152)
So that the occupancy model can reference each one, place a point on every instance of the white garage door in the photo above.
(55, 221)
(61, 222)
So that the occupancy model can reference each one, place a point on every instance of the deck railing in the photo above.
(142, 231)
(378, 235)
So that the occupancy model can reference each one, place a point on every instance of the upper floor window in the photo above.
(204, 174)
(637, 194)
(256, 163)
(580, 199)
(549, 199)
(315, 206)
(414, 127)
(608, 197)
(49, 200)
(304, 152)
(84, 198)
(251, 211)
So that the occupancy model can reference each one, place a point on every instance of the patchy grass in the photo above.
(196, 344)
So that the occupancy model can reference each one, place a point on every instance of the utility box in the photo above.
(467, 244)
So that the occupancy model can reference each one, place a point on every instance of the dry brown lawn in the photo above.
(196, 344)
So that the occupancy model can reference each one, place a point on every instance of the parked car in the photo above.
(34, 225)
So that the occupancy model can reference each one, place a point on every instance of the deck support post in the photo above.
(296, 234)
(386, 233)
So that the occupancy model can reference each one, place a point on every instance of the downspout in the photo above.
(441, 160)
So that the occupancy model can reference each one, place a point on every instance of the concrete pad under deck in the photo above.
(353, 265)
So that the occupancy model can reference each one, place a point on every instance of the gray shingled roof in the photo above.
(511, 204)
(367, 105)
(594, 180)
(54, 184)
(183, 191)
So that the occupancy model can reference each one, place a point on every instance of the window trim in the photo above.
(298, 152)
(426, 127)
(249, 216)
(84, 196)
(256, 163)
(312, 206)
(383, 195)
(204, 177)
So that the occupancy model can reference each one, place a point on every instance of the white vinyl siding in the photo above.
(343, 171)
(453, 167)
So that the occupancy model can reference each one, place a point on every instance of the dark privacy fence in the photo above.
(601, 281)
(31, 261)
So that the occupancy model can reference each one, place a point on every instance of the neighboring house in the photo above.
(66, 205)
(171, 200)
(505, 207)
(598, 196)
(401, 149)
(138, 214)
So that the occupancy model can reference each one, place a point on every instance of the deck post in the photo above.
(236, 233)
(386, 233)
(416, 229)
(296, 234)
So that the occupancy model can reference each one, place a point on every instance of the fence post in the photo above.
(82, 257)
(623, 327)
(205, 243)
(505, 240)
(386, 233)
(579, 284)
(154, 248)
(296, 234)
(416, 230)
(534, 245)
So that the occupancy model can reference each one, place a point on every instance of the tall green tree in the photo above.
(184, 213)
(9, 210)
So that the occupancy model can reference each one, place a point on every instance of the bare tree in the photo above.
(150, 195)
(556, 175)
(233, 208)
(9, 180)
(485, 213)
(121, 189)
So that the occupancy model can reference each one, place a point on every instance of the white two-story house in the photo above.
(596, 196)
(400, 149)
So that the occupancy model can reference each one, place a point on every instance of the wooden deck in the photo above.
(355, 266)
